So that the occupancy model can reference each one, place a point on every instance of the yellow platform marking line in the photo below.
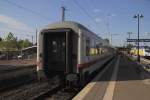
(111, 86)
(83, 93)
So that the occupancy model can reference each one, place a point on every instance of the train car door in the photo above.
(57, 52)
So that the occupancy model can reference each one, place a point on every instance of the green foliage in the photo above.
(2, 44)
(27, 43)
(10, 37)
(21, 44)
(107, 40)
(24, 43)
(129, 46)
(11, 43)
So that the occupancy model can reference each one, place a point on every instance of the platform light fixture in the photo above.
(138, 16)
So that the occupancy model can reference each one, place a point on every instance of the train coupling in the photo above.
(72, 79)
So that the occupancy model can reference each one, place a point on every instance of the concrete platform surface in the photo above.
(122, 81)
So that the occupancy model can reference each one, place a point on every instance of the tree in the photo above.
(10, 42)
(2, 44)
(129, 46)
(24, 43)
(107, 40)
(27, 43)
(21, 43)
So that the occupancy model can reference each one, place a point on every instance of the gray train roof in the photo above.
(72, 25)
(67, 24)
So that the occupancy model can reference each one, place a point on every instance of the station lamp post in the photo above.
(138, 16)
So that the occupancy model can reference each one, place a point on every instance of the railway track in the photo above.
(14, 76)
(20, 83)
(67, 93)
(59, 93)
(10, 68)
(26, 87)
(30, 91)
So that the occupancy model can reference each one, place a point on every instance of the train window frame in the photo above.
(92, 47)
(87, 46)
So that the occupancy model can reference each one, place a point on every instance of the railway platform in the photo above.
(122, 79)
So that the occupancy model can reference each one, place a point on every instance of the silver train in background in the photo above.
(71, 51)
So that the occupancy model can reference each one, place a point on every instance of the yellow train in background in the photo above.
(143, 51)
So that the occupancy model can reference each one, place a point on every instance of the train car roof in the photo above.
(71, 25)
(67, 24)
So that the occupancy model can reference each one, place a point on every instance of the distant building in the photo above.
(28, 53)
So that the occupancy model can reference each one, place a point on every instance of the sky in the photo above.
(23, 17)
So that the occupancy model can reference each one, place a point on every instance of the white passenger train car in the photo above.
(70, 50)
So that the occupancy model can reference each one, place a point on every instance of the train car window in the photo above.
(94, 49)
(87, 47)
(54, 46)
(97, 49)
(63, 44)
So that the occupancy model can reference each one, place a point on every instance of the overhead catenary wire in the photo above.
(26, 9)
(46, 18)
(86, 12)
(30, 11)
